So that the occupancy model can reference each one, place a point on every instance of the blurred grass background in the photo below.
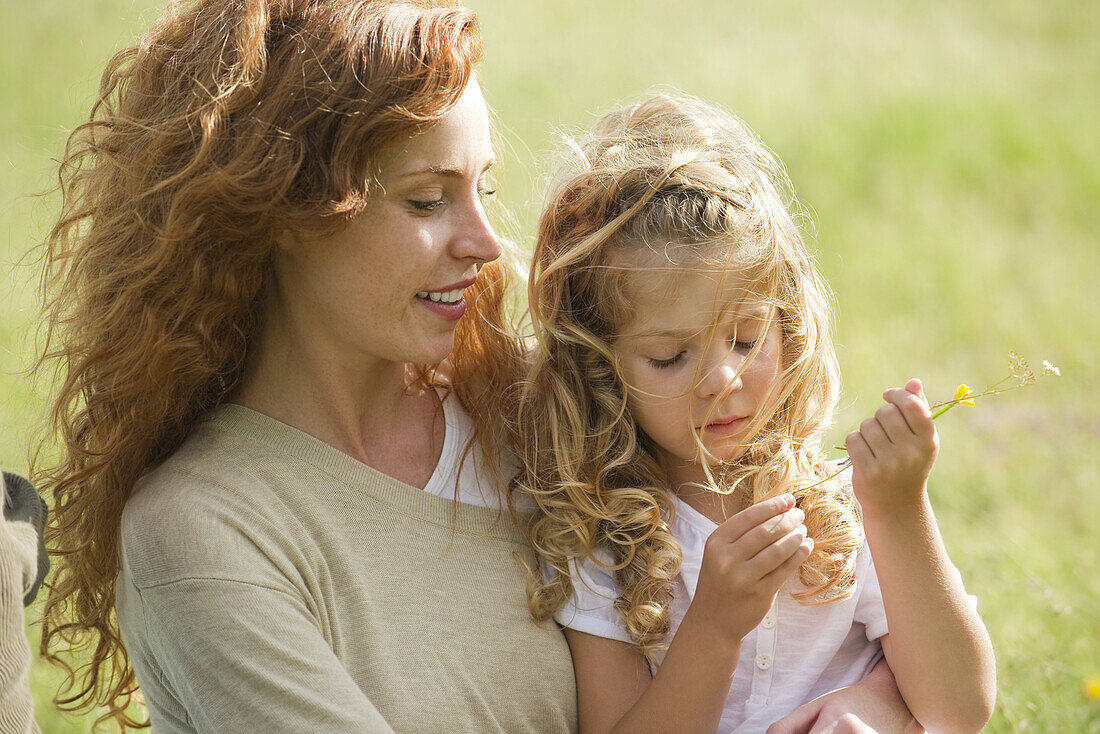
(948, 155)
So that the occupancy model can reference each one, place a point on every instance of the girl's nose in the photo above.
(721, 378)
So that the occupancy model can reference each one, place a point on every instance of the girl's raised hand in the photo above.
(745, 562)
(892, 452)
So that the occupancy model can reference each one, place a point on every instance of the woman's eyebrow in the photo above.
(447, 171)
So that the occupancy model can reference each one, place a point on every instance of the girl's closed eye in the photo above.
(663, 363)
(746, 337)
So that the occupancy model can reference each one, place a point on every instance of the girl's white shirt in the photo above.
(797, 653)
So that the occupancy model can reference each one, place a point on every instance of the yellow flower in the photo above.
(960, 394)
(1092, 686)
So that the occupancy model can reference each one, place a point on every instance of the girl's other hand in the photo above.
(745, 562)
(893, 452)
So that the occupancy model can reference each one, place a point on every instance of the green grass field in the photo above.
(948, 156)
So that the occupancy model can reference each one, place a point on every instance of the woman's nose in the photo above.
(476, 239)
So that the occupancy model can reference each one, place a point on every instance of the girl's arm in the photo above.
(937, 647)
(746, 561)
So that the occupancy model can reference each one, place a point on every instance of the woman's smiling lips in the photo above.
(726, 426)
(446, 302)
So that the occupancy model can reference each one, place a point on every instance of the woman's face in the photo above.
(389, 285)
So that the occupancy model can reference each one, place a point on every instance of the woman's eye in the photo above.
(425, 205)
(487, 192)
(745, 345)
(662, 363)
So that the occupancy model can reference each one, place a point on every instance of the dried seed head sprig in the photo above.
(1019, 370)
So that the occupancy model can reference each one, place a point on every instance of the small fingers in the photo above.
(776, 563)
(890, 417)
(916, 387)
(858, 450)
(798, 721)
(846, 724)
(751, 517)
(914, 408)
(875, 436)
(769, 532)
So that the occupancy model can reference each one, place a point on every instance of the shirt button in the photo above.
(769, 621)
(763, 661)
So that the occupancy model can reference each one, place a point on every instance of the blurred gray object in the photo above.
(23, 503)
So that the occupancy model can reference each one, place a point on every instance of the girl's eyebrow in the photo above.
(679, 334)
(756, 313)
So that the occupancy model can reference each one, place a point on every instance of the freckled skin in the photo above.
(342, 323)
(356, 289)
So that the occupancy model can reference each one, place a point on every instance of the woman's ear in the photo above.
(289, 242)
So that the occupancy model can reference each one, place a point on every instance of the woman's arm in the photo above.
(225, 626)
(938, 648)
(871, 705)
(747, 560)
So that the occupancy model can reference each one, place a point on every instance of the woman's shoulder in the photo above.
(213, 464)
(211, 508)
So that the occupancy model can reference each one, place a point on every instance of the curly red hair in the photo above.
(230, 123)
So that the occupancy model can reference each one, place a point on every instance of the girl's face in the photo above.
(389, 286)
(688, 379)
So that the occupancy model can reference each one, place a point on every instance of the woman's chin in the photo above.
(435, 350)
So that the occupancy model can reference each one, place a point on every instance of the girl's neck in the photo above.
(714, 506)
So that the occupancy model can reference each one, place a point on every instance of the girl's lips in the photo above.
(731, 425)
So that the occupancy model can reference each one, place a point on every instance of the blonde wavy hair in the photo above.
(228, 125)
(670, 181)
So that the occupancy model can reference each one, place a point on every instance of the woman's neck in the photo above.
(377, 412)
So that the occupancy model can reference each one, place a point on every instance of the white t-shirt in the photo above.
(474, 485)
(795, 654)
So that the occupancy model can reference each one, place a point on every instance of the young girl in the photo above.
(712, 570)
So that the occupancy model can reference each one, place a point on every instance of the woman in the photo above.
(272, 239)
(278, 211)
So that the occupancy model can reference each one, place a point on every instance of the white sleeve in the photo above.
(591, 609)
(18, 560)
(870, 611)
